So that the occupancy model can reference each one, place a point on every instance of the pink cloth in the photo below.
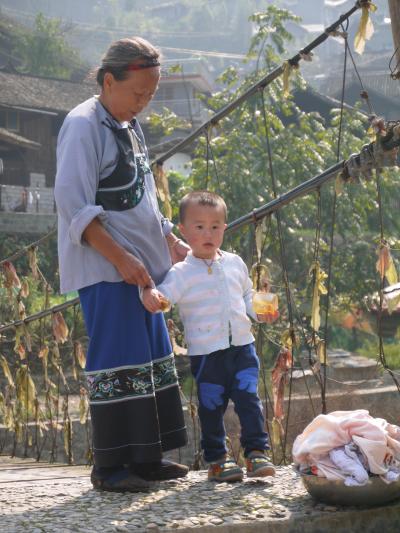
(378, 441)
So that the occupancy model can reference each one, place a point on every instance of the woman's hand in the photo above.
(178, 250)
(133, 271)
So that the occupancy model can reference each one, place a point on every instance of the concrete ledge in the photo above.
(28, 223)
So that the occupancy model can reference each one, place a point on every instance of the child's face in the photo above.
(203, 229)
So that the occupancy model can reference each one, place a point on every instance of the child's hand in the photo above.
(151, 300)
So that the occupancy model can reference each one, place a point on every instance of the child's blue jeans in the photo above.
(230, 374)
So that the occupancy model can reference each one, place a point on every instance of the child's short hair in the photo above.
(208, 198)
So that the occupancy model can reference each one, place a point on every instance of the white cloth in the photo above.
(349, 464)
(212, 306)
(377, 441)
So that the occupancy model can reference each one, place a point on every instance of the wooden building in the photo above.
(32, 110)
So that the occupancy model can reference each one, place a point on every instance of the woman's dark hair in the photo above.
(124, 53)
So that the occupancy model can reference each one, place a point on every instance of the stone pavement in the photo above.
(38, 497)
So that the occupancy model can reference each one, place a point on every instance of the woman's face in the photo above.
(125, 99)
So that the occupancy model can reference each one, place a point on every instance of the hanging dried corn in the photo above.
(173, 332)
(385, 265)
(7, 372)
(60, 328)
(11, 277)
(279, 376)
(33, 265)
(67, 430)
(44, 355)
(365, 28)
(24, 292)
(25, 389)
(83, 405)
(319, 288)
(287, 71)
(163, 188)
(56, 362)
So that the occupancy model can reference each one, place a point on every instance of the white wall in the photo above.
(179, 163)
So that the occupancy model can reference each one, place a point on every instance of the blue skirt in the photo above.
(133, 386)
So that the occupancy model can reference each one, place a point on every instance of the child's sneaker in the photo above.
(225, 470)
(258, 465)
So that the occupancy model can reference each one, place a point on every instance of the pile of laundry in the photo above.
(349, 446)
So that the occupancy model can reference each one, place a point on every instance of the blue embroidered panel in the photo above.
(131, 382)
(164, 373)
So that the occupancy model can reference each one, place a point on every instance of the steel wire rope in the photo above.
(207, 155)
(273, 341)
(193, 412)
(210, 152)
(317, 242)
(267, 397)
(307, 344)
(364, 93)
(42, 321)
(261, 332)
(282, 253)
(394, 71)
(381, 354)
(382, 357)
(317, 239)
(333, 221)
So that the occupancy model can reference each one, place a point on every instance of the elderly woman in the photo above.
(113, 239)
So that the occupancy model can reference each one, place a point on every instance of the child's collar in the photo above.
(193, 259)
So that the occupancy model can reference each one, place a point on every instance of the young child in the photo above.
(214, 296)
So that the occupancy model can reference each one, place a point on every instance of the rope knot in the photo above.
(306, 56)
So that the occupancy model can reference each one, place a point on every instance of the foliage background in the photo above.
(303, 145)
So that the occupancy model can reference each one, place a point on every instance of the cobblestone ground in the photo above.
(53, 498)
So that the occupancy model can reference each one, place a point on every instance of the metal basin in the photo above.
(374, 493)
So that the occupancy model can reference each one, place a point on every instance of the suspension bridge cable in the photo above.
(41, 314)
(277, 203)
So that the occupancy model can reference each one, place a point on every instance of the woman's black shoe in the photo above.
(160, 471)
(120, 481)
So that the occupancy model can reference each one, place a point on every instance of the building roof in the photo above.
(48, 94)
(9, 137)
